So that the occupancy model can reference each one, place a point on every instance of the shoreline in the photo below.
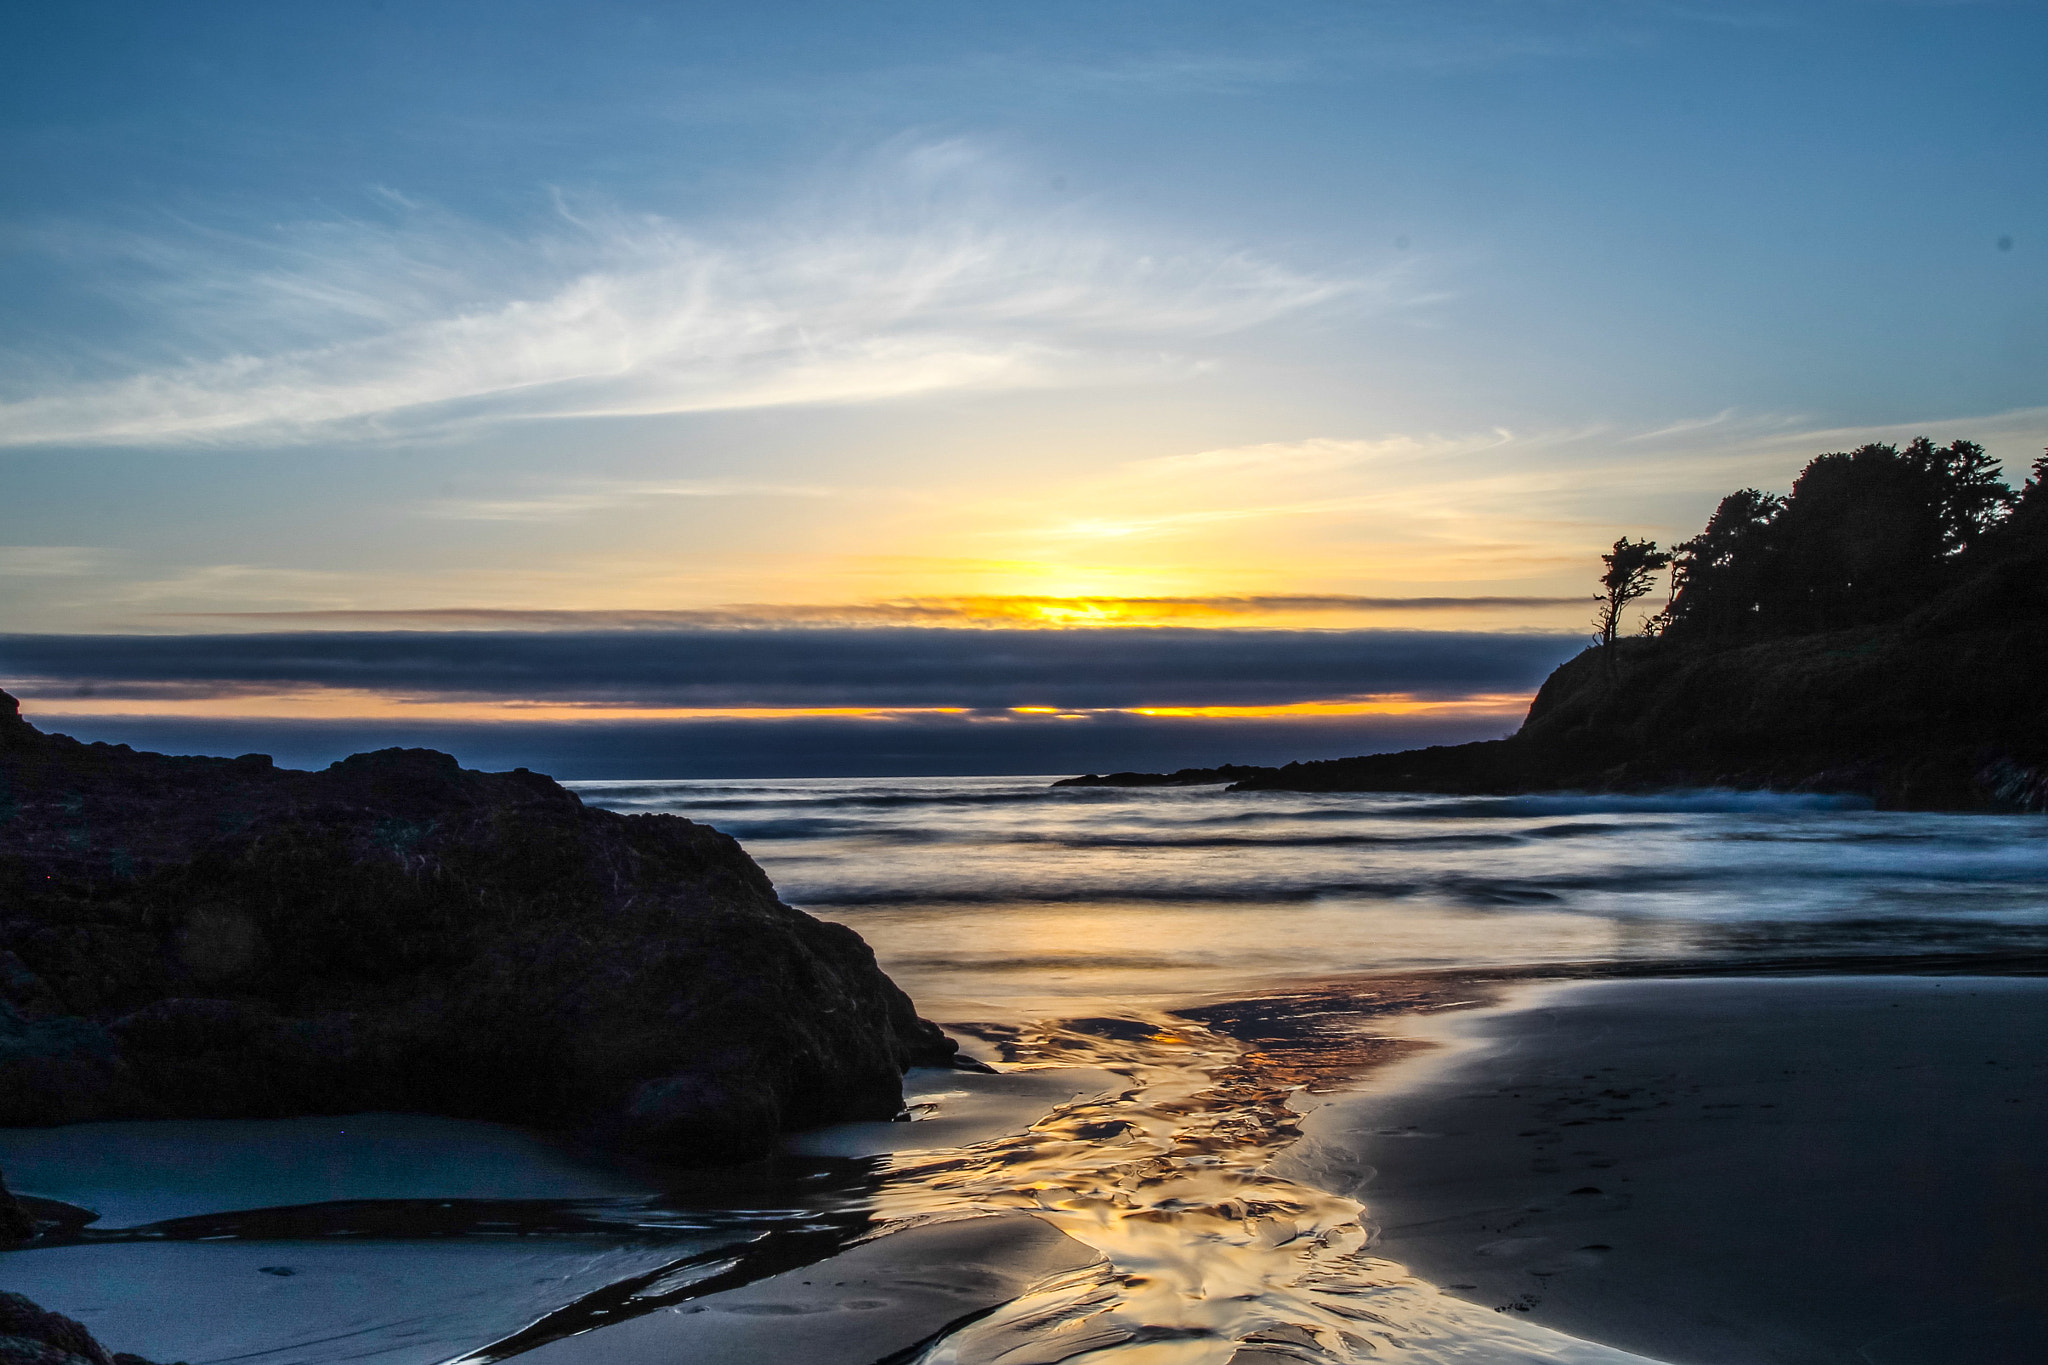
(1787, 1170)
(1236, 1080)
(1332, 1034)
(1957, 787)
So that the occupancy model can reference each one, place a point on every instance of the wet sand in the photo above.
(956, 1108)
(1709, 1170)
(1844, 1171)
(414, 1239)
(875, 1303)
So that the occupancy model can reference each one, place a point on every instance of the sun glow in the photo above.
(1505, 704)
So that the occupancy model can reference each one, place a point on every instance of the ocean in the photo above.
(1010, 894)
(1058, 931)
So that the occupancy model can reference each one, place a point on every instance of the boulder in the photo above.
(223, 938)
(31, 1336)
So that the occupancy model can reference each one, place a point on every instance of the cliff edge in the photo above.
(1919, 718)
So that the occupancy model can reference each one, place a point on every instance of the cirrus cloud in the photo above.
(932, 273)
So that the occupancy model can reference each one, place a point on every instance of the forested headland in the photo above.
(1879, 629)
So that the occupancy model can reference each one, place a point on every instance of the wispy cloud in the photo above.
(1315, 455)
(1421, 511)
(934, 272)
(1793, 441)
(51, 561)
(590, 496)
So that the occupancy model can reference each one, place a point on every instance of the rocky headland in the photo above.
(1881, 631)
(1917, 718)
(221, 938)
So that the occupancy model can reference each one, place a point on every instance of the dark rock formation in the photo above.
(15, 1223)
(31, 1336)
(209, 937)
(1940, 712)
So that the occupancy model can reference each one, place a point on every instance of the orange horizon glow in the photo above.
(1373, 704)
(367, 705)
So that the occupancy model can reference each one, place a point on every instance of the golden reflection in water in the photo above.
(1208, 1258)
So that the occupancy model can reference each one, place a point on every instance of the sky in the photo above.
(637, 389)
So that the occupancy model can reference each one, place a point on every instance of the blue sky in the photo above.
(382, 312)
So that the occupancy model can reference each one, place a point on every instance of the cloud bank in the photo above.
(786, 702)
(990, 669)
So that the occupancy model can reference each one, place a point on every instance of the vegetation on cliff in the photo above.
(1881, 630)
(207, 937)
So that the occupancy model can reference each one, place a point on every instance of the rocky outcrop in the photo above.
(210, 937)
(15, 1223)
(32, 1336)
(1910, 717)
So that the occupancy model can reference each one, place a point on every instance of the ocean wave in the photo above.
(1277, 812)
(825, 827)
(1703, 801)
(1444, 841)
(1703, 856)
(881, 834)
(1984, 831)
(1594, 891)
(690, 802)
(1454, 888)
(1276, 841)
(982, 893)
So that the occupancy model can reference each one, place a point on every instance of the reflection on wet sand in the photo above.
(1198, 1252)
(1192, 1225)
(1207, 1255)
(1181, 1245)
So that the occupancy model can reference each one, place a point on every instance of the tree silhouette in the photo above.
(1631, 568)
(2028, 523)
(1963, 484)
(1717, 576)
(1865, 535)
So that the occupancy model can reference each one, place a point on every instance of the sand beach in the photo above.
(1808, 1171)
